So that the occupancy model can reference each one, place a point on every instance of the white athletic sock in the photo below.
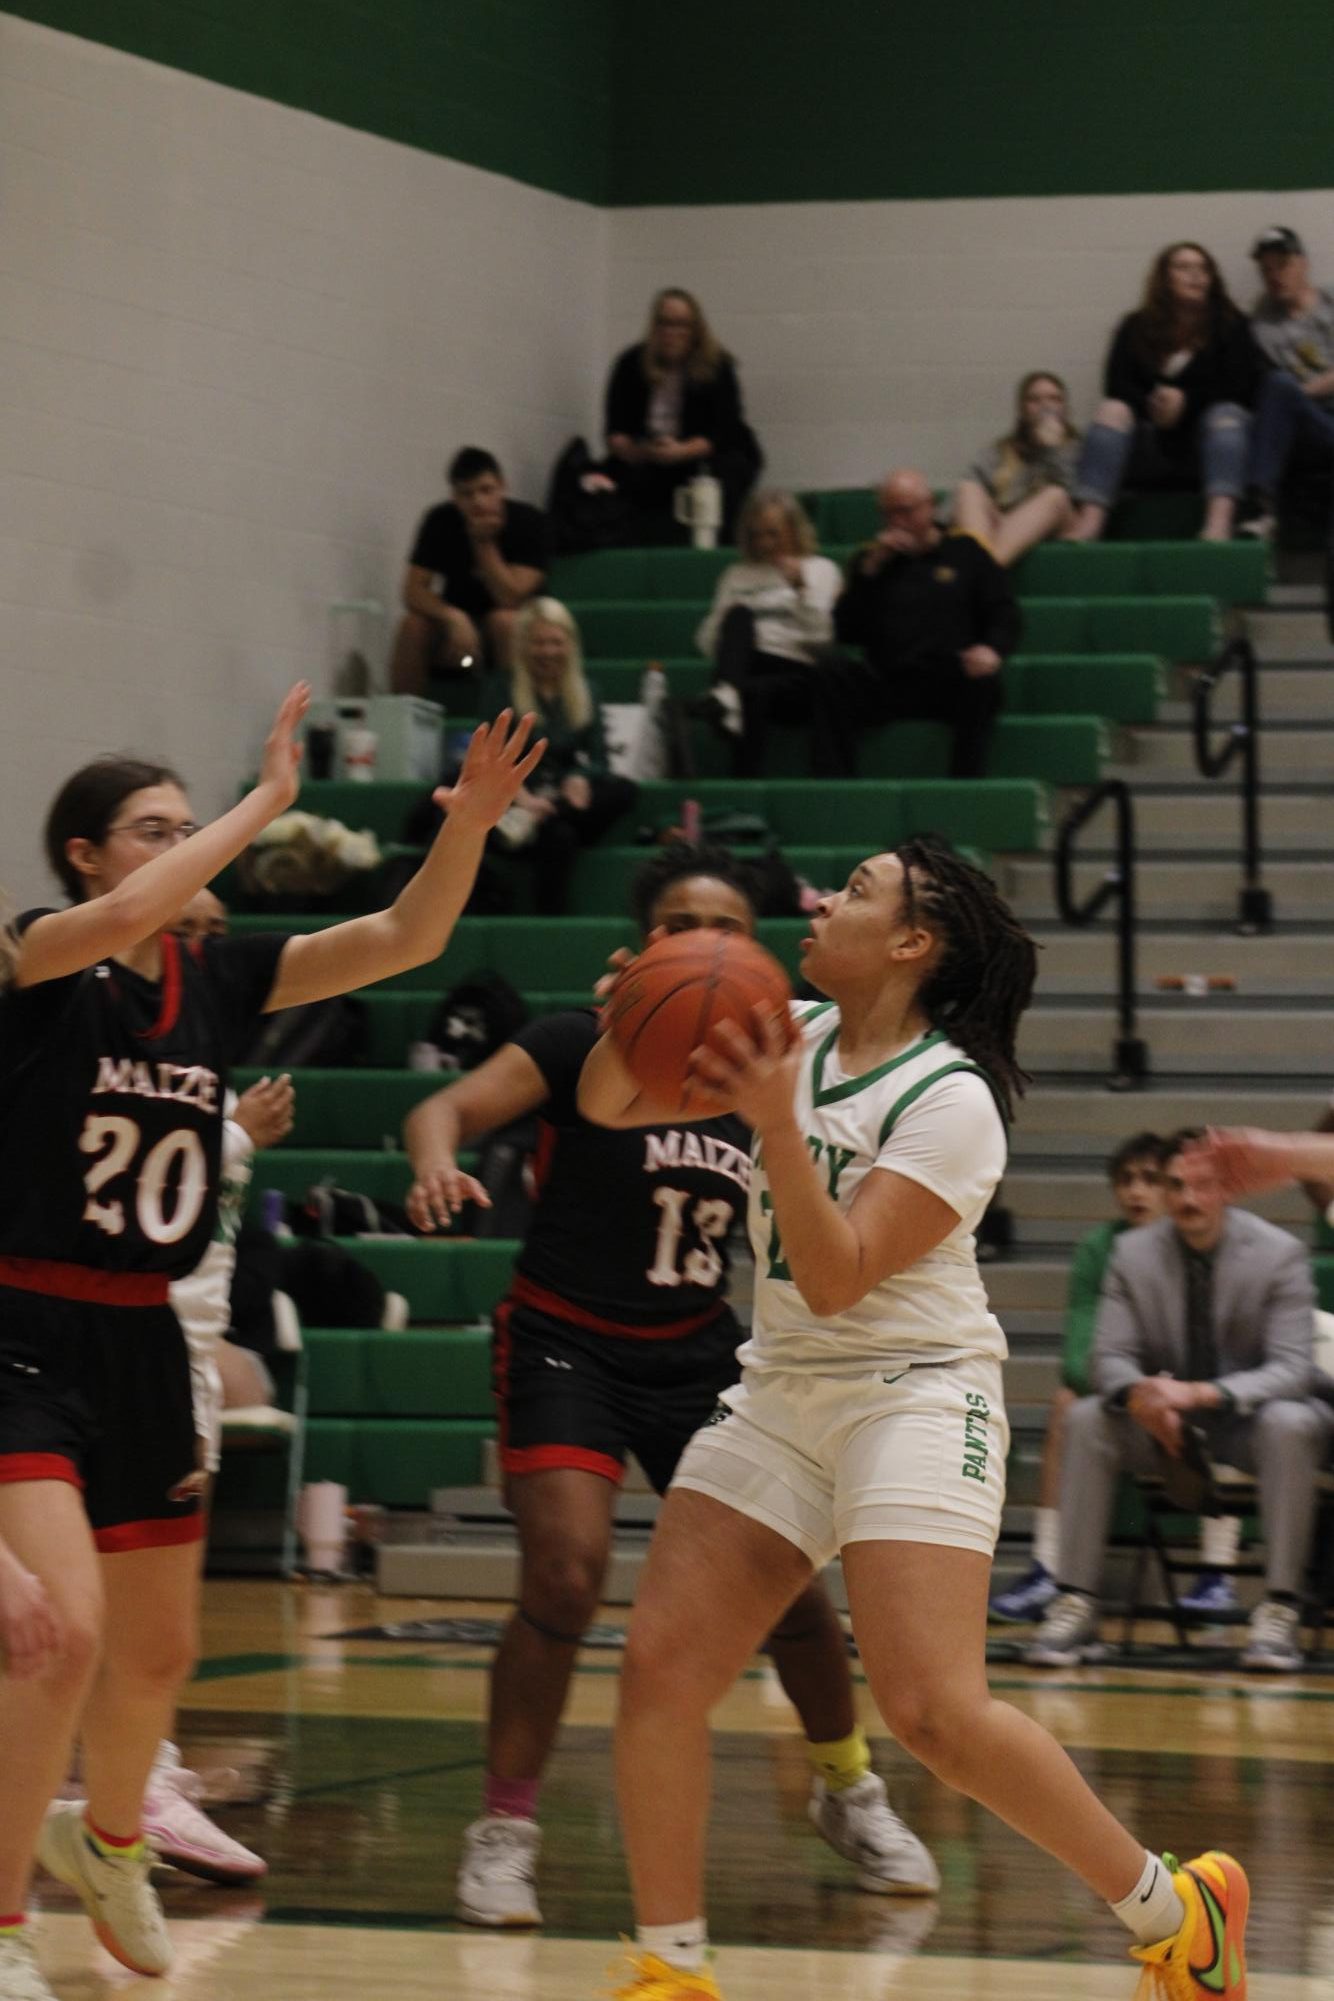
(1153, 1911)
(684, 1945)
(1220, 1539)
(1047, 1538)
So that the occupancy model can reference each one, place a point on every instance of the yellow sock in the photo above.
(843, 1762)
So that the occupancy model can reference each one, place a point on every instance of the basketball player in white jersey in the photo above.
(869, 1420)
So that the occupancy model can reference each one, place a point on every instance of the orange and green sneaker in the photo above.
(653, 1979)
(1206, 1959)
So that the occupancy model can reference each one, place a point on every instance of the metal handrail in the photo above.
(1255, 906)
(1130, 1053)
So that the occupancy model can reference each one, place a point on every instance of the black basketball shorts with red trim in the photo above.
(99, 1396)
(567, 1396)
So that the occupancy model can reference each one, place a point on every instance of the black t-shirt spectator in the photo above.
(919, 609)
(443, 546)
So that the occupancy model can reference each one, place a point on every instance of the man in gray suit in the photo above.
(1205, 1321)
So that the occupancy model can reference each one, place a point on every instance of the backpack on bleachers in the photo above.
(476, 1018)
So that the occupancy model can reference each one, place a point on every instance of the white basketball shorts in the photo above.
(895, 1454)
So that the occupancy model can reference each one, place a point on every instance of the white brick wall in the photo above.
(237, 344)
(880, 333)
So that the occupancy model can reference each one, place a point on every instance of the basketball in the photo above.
(675, 992)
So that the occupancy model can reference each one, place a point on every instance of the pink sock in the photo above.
(512, 1799)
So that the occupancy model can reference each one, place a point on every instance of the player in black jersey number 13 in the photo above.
(617, 1337)
(115, 1048)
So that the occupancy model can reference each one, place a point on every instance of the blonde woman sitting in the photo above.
(768, 633)
(573, 797)
(1017, 491)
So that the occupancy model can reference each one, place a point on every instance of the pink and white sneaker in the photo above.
(183, 1835)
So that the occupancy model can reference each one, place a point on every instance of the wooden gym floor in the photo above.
(354, 1764)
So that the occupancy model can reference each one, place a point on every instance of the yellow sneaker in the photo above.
(1207, 1957)
(654, 1980)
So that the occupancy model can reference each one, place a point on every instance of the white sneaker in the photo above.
(183, 1834)
(860, 1825)
(114, 1890)
(1274, 1643)
(497, 1882)
(20, 1976)
(1068, 1634)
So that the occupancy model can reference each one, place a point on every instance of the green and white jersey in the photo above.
(930, 1115)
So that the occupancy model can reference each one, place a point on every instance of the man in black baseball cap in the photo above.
(1279, 242)
(1293, 325)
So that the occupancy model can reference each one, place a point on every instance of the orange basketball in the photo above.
(675, 992)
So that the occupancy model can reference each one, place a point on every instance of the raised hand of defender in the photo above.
(437, 1196)
(755, 1073)
(495, 770)
(267, 1111)
(280, 770)
(29, 1632)
(1245, 1160)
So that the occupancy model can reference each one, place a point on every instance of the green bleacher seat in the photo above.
(441, 1281)
(367, 1170)
(396, 1461)
(1233, 572)
(1176, 628)
(352, 1108)
(1058, 750)
(418, 1372)
(1122, 687)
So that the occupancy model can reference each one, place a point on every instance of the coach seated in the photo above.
(935, 617)
(1204, 1340)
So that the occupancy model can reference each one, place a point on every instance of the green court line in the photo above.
(476, 1762)
(227, 1667)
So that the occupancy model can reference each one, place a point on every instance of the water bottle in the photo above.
(653, 687)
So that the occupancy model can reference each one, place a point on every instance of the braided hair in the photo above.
(983, 979)
(680, 861)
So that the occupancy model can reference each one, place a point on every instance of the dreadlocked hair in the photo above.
(679, 861)
(983, 979)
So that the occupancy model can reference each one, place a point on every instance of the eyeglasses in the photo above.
(156, 833)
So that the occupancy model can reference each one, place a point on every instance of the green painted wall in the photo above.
(625, 102)
(518, 86)
(776, 100)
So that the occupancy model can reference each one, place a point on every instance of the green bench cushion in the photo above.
(419, 1372)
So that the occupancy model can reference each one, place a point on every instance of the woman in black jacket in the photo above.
(1180, 381)
(673, 410)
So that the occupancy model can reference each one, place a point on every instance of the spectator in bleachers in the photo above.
(1181, 376)
(935, 616)
(768, 632)
(1203, 1345)
(1135, 1172)
(1293, 326)
(204, 916)
(478, 557)
(673, 409)
(1016, 493)
(574, 797)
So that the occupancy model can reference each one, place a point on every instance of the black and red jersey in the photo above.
(111, 1102)
(630, 1228)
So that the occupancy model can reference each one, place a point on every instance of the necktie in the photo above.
(1201, 1348)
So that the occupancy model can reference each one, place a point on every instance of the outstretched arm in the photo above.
(502, 1089)
(417, 925)
(1247, 1161)
(66, 941)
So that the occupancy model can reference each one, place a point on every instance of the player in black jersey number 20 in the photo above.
(115, 1047)
(617, 1337)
